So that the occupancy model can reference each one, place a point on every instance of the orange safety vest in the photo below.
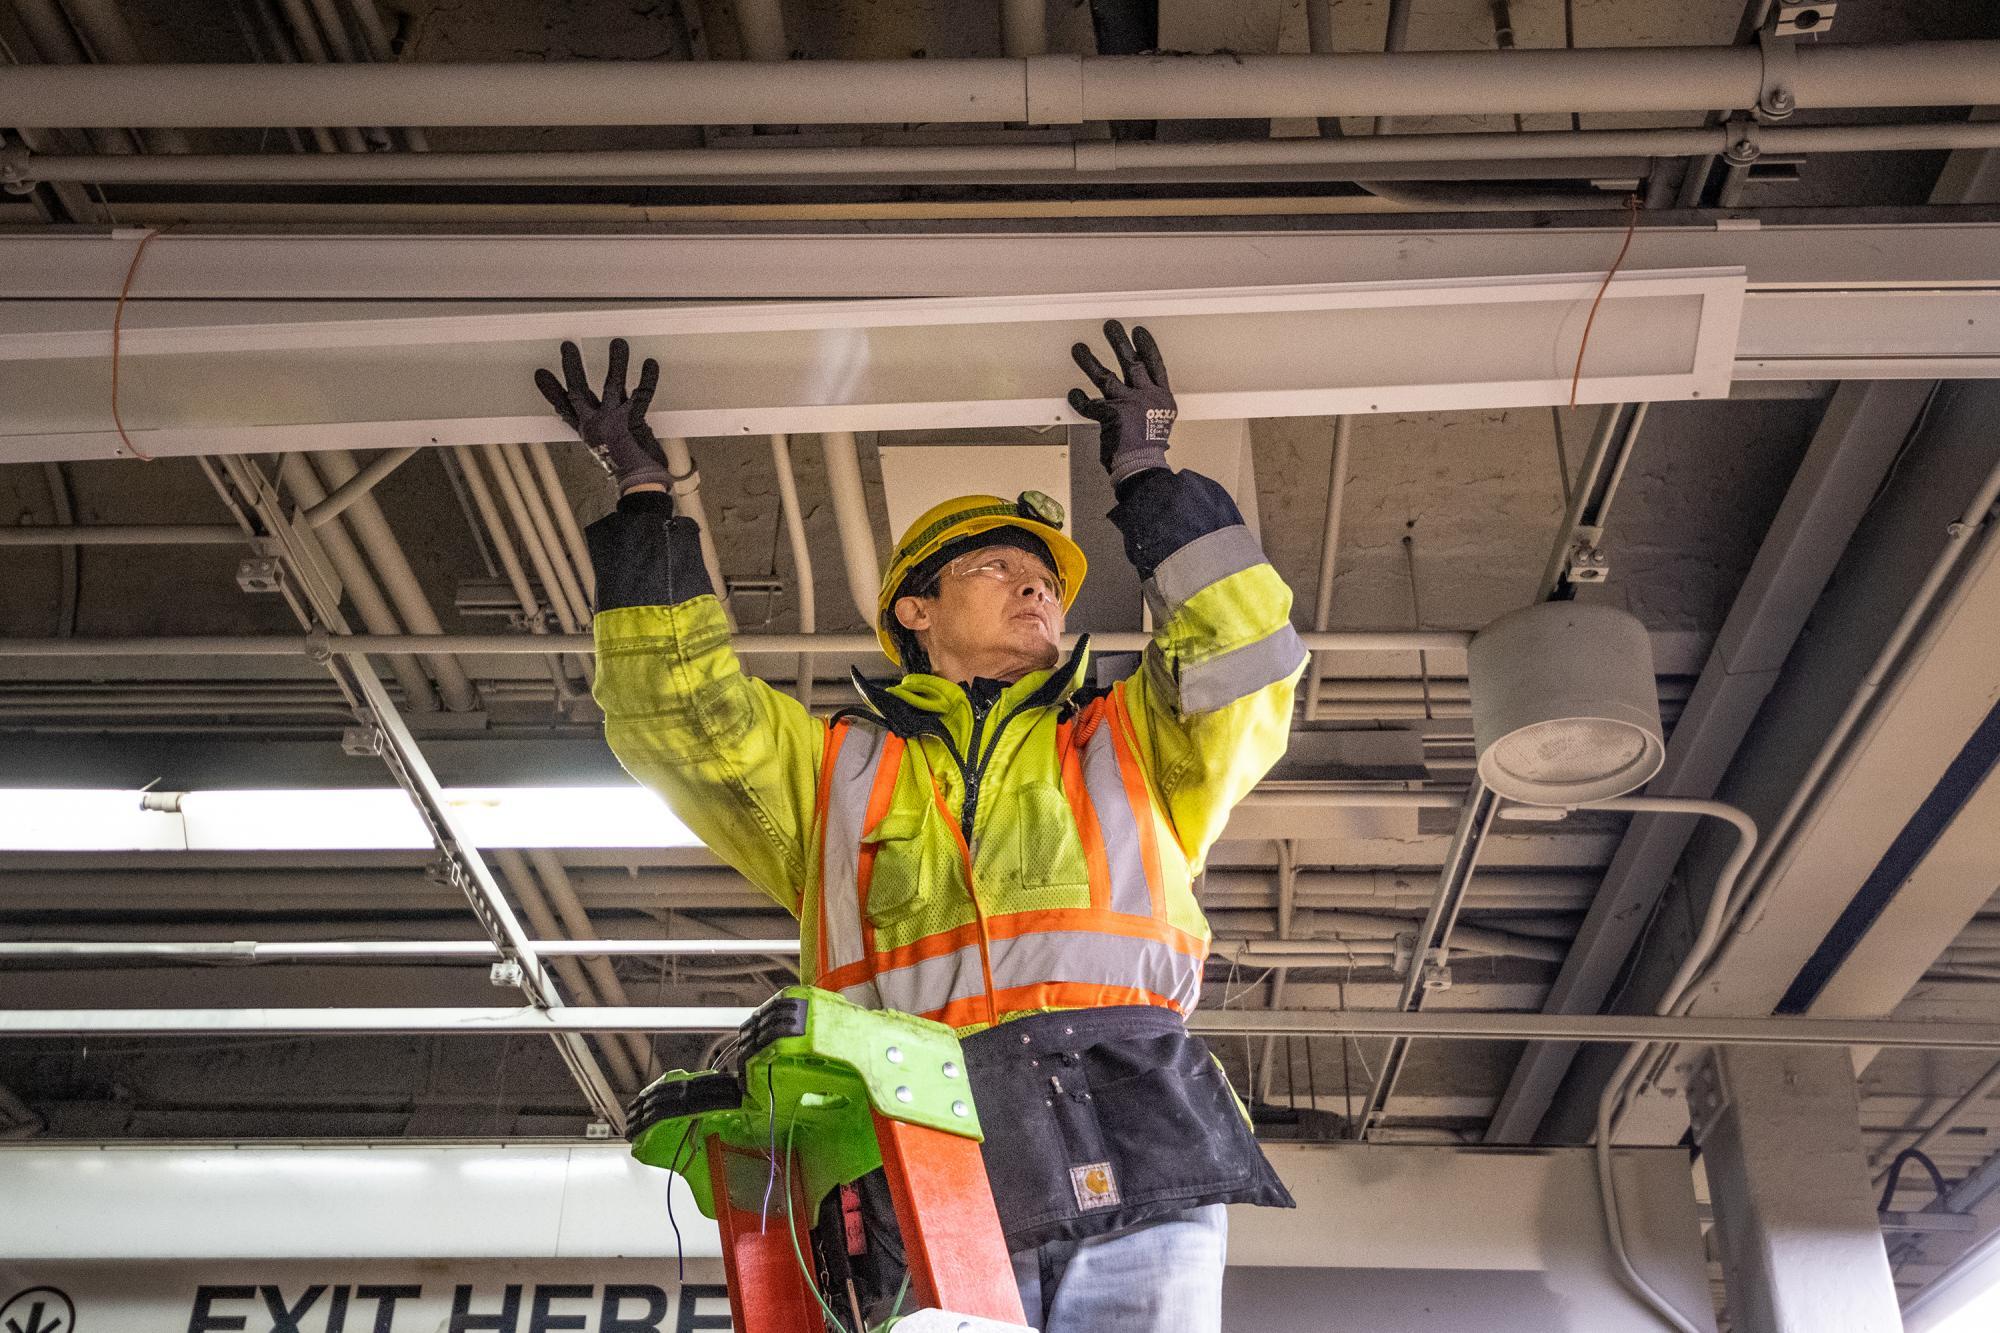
(1012, 957)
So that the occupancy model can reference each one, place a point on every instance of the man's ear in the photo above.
(912, 614)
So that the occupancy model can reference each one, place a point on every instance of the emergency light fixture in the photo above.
(1565, 710)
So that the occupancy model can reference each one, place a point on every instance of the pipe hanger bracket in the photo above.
(1775, 96)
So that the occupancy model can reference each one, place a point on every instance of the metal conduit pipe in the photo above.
(343, 497)
(524, 529)
(536, 511)
(761, 24)
(509, 558)
(287, 645)
(371, 528)
(1943, 1125)
(1329, 551)
(538, 555)
(1048, 90)
(103, 25)
(576, 925)
(513, 870)
(311, 49)
(1674, 1001)
(48, 28)
(686, 490)
(851, 518)
(375, 35)
(802, 570)
(1334, 159)
(137, 534)
(557, 500)
(362, 590)
(1024, 27)
(312, 951)
(342, 48)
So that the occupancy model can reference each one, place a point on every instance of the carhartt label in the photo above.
(1095, 1186)
(1159, 420)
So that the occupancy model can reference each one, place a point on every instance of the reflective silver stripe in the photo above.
(1204, 560)
(918, 988)
(846, 815)
(1080, 957)
(1094, 959)
(1243, 671)
(1117, 821)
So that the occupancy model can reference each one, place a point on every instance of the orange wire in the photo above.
(117, 329)
(1631, 226)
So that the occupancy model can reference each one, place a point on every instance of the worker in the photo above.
(989, 841)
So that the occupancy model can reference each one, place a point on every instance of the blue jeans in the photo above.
(1163, 1276)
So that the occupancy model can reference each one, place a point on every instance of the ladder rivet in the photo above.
(950, 1069)
(959, 1108)
(895, 1054)
(904, 1095)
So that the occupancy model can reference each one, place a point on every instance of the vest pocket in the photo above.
(907, 846)
(1039, 831)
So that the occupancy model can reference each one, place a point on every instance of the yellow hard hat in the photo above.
(969, 515)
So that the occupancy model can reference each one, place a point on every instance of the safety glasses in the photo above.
(1015, 568)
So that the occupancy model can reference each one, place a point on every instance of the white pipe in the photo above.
(1329, 551)
(297, 951)
(1024, 27)
(50, 34)
(286, 645)
(1432, 1025)
(509, 558)
(371, 528)
(125, 534)
(312, 50)
(538, 555)
(375, 35)
(1385, 158)
(802, 570)
(558, 502)
(1673, 1002)
(357, 486)
(513, 868)
(762, 26)
(536, 511)
(851, 517)
(103, 25)
(686, 488)
(1048, 89)
(576, 924)
(362, 590)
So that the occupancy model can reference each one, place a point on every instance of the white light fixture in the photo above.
(1565, 709)
(331, 819)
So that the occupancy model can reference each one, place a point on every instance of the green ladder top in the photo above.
(810, 1067)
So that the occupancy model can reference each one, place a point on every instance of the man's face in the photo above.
(997, 612)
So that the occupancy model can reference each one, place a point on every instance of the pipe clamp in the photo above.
(1743, 148)
(14, 177)
(1775, 98)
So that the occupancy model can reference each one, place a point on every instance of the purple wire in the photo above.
(771, 1105)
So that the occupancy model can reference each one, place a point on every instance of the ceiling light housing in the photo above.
(1565, 710)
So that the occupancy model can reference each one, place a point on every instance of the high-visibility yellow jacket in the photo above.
(969, 853)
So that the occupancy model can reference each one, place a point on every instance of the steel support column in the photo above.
(1801, 1246)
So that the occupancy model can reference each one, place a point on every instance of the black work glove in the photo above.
(1136, 413)
(614, 426)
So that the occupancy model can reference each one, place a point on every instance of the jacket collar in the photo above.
(920, 703)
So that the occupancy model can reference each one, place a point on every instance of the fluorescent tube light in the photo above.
(332, 819)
